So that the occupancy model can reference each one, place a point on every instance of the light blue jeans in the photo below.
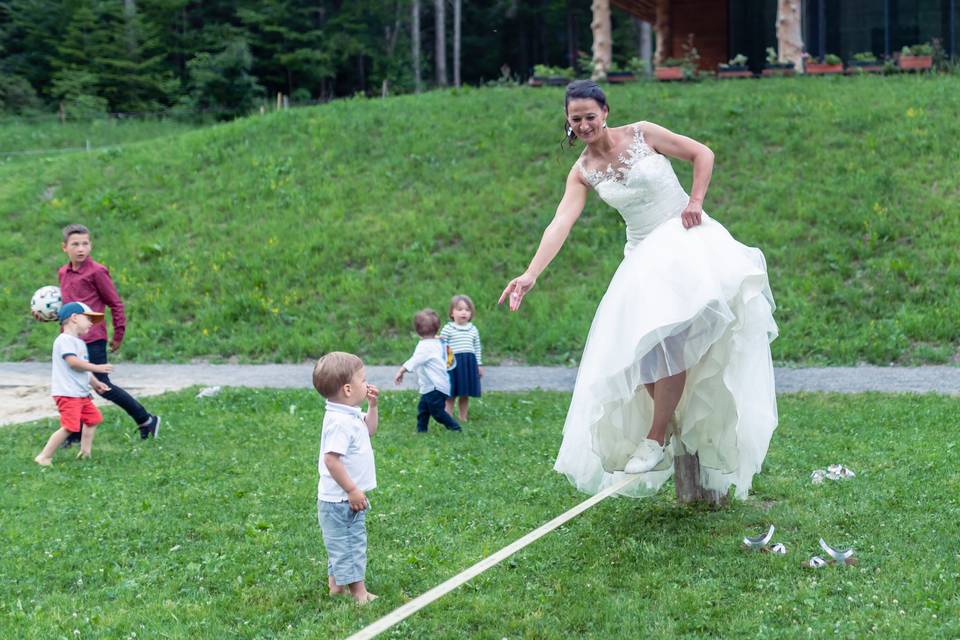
(345, 537)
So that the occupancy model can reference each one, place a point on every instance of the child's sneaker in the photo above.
(152, 428)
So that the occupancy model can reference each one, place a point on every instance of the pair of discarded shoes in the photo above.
(834, 556)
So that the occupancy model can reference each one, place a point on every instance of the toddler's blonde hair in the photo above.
(334, 370)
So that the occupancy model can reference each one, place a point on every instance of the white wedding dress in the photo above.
(693, 300)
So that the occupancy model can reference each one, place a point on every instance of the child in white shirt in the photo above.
(347, 470)
(71, 380)
(429, 362)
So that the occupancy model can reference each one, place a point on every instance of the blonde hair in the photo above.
(426, 323)
(334, 370)
(464, 298)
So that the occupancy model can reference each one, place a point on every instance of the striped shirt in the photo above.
(463, 339)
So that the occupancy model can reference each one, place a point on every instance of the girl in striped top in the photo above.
(464, 340)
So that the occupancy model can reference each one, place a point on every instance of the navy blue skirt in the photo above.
(465, 378)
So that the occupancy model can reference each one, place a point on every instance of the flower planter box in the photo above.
(819, 69)
(920, 63)
(619, 77)
(734, 72)
(558, 81)
(778, 70)
(668, 73)
(537, 81)
(855, 66)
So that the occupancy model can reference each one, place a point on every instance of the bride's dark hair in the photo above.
(581, 90)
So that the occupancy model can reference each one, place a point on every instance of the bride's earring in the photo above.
(604, 125)
(569, 131)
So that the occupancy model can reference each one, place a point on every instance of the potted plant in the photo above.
(560, 76)
(918, 57)
(618, 75)
(540, 75)
(864, 62)
(774, 67)
(736, 67)
(831, 64)
(545, 74)
(684, 68)
(671, 69)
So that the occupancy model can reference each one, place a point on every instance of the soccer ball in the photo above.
(45, 303)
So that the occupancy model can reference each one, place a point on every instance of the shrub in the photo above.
(17, 95)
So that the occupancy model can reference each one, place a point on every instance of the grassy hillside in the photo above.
(279, 237)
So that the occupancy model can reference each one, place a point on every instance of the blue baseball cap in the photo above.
(71, 309)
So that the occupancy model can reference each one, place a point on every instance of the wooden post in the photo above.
(602, 39)
(662, 29)
(686, 479)
(63, 114)
(789, 36)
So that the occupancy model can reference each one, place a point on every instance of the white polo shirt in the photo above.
(429, 362)
(345, 432)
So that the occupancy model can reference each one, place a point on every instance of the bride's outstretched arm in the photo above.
(569, 209)
(683, 148)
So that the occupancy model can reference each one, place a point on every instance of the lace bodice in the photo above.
(641, 186)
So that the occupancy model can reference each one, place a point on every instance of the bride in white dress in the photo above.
(678, 355)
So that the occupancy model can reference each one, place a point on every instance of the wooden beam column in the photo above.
(662, 29)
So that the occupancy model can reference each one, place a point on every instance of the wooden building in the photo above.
(723, 28)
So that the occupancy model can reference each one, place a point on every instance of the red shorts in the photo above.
(77, 411)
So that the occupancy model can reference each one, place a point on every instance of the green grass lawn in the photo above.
(281, 237)
(211, 530)
(38, 137)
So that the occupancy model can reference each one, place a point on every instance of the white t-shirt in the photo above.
(64, 379)
(429, 362)
(345, 432)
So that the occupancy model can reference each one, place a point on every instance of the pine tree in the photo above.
(110, 60)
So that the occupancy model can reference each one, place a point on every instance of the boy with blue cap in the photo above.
(71, 380)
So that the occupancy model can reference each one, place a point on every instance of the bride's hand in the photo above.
(517, 288)
(691, 215)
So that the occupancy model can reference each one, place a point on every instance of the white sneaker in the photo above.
(645, 457)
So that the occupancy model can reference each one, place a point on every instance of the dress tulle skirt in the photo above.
(682, 300)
